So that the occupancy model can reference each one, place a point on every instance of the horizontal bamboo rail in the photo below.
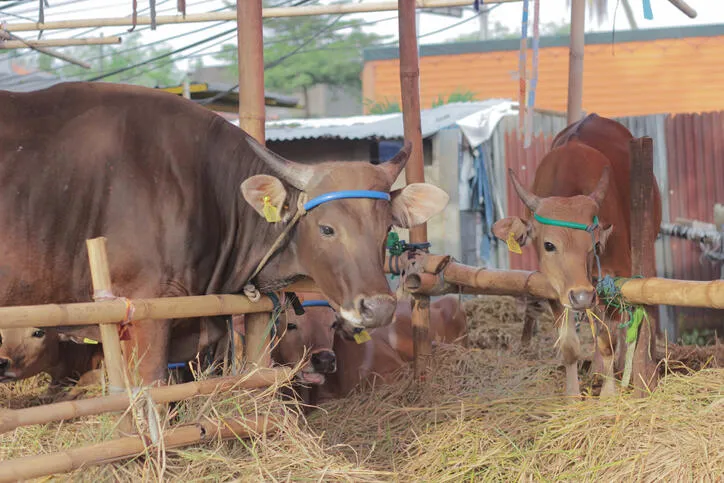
(22, 469)
(119, 310)
(28, 44)
(465, 279)
(10, 419)
(230, 15)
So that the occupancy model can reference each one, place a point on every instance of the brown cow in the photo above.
(351, 363)
(27, 352)
(183, 198)
(586, 174)
(447, 324)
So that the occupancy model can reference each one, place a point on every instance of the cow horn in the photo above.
(394, 166)
(296, 174)
(600, 192)
(529, 199)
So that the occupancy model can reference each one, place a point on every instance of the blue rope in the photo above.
(346, 194)
(316, 303)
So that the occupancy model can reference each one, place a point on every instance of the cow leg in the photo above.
(147, 351)
(571, 351)
(606, 343)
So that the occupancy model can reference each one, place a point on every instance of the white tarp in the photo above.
(477, 128)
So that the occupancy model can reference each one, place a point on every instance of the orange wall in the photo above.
(620, 79)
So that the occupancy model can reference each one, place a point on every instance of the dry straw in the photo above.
(493, 414)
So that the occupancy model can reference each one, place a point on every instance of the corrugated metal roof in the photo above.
(384, 126)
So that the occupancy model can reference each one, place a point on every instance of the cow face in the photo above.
(309, 334)
(341, 243)
(27, 352)
(566, 255)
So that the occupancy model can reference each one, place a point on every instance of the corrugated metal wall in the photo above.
(689, 168)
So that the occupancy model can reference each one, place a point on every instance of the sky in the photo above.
(384, 23)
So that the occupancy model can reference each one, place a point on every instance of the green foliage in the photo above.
(458, 96)
(330, 52)
(698, 337)
(384, 107)
(105, 59)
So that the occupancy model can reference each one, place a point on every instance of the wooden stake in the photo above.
(22, 469)
(252, 106)
(112, 354)
(10, 419)
(643, 237)
(414, 170)
(575, 61)
(257, 339)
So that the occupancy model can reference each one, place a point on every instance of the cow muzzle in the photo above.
(369, 311)
(324, 362)
(5, 373)
(582, 299)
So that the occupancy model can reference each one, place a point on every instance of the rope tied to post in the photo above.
(397, 247)
(124, 326)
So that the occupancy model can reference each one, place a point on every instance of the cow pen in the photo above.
(423, 274)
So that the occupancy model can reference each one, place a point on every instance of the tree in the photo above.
(300, 52)
(106, 59)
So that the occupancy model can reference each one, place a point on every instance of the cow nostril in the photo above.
(582, 298)
(4, 363)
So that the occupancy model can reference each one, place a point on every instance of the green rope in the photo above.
(394, 245)
(565, 224)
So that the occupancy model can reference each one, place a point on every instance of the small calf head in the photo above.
(27, 352)
(310, 334)
(565, 254)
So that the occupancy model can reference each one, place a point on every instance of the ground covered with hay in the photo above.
(492, 412)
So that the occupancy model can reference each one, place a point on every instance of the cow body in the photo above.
(586, 174)
(31, 351)
(447, 325)
(180, 194)
(378, 359)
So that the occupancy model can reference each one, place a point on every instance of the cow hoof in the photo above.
(608, 389)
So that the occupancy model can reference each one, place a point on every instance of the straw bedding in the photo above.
(492, 412)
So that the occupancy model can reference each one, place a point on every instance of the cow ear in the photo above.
(520, 229)
(603, 235)
(416, 203)
(70, 338)
(256, 188)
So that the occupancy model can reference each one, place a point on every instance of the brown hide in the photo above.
(178, 192)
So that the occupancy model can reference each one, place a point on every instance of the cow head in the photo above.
(341, 243)
(565, 254)
(313, 334)
(27, 352)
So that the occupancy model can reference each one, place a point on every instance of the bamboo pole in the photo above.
(643, 236)
(414, 170)
(112, 354)
(27, 44)
(684, 7)
(334, 9)
(10, 419)
(22, 469)
(575, 61)
(115, 311)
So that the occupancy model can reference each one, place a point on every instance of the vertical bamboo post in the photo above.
(112, 354)
(251, 119)
(575, 61)
(414, 171)
(643, 263)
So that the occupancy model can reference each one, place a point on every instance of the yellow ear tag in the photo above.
(513, 244)
(270, 212)
(89, 341)
(362, 337)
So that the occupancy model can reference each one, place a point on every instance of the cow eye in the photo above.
(549, 247)
(291, 326)
(326, 230)
(38, 333)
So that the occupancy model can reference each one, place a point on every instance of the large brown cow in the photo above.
(585, 175)
(27, 352)
(181, 195)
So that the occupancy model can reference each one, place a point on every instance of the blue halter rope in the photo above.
(346, 194)
(316, 303)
